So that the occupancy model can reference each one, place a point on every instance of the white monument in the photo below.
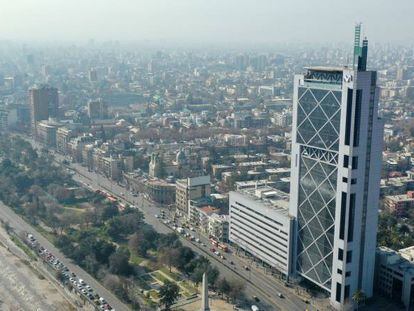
(204, 295)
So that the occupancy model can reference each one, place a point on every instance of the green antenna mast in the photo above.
(360, 51)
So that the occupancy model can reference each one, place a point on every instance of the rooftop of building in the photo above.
(209, 210)
(401, 197)
(270, 197)
(253, 183)
(401, 260)
(220, 217)
(194, 181)
(407, 253)
(337, 69)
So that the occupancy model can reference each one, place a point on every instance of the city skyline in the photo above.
(196, 22)
(149, 147)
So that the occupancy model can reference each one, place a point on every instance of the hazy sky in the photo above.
(250, 21)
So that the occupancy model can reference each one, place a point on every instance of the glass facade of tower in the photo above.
(318, 126)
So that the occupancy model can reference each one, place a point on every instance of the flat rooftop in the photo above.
(326, 68)
(270, 197)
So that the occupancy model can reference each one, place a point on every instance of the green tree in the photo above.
(110, 210)
(223, 286)
(119, 262)
(169, 293)
(167, 256)
(236, 289)
(358, 297)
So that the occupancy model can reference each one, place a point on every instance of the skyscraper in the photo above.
(44, 103)
(336, 164)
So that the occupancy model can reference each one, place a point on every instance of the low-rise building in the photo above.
(394, 274)
(261, 225)
(63, 136)
(75, 146)
(399, 204)
(218, 227)
(199, 214)
(46, 133)
(160, 191)
(191, 189)
(110, 166)
(396, 185)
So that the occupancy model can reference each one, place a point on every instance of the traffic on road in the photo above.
(68, 278)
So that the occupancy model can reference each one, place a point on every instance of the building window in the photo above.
(342, 220)
(346, 296)
(351, 217)
(344, 179)
(354, 163)
(340, 254)
(353, 181)
(338, 292)
(339, 271)
(348, 117)
(346, 161)
(348, 256)
(357, 117)
(347, 274)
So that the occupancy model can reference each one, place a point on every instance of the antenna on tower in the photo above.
(360, 51)
(357, 43)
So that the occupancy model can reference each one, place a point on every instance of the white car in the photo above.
(156, 216)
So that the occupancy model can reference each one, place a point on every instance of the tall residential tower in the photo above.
(43, 101)
(336, 165)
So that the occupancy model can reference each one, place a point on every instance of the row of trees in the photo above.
(393, 233)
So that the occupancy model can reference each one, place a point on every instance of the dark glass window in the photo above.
(357, 122)
(346, 294)
(353, 181)
(339, 271)
(344, 179)
(338, 292)
(347, 274)
(317, 205)
(343, 213)
(346, 161)
(318, 113)
(354, 163)
(348, 256)
(348, 117)
(340, 254)
(351, 217)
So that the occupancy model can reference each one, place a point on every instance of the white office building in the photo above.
(260, 224)
(335, 177)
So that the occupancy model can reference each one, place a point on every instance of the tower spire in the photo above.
(360, 51)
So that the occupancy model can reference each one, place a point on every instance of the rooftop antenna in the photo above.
(360, 51)
(357, 43)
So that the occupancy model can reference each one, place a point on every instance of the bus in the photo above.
(223, 247)
(214, 242)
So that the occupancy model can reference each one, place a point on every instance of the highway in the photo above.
(19, 224)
